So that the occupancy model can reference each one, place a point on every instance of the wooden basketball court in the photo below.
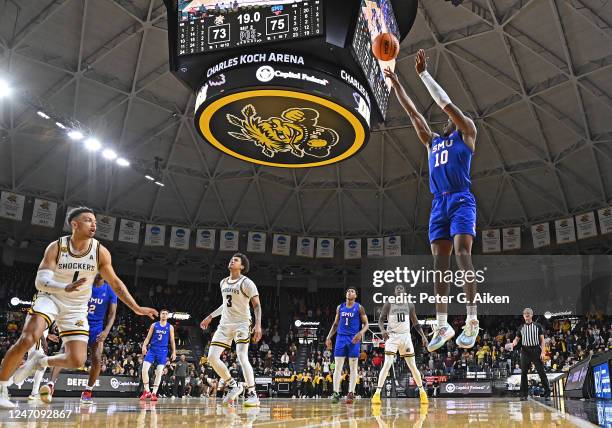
(112, 412)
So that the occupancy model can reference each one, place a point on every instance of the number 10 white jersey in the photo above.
(399, 318)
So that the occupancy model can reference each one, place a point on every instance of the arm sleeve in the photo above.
(435, 90)
(44, 281)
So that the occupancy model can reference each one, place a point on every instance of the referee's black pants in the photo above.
(531, 354)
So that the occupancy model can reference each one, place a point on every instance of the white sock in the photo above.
(36, 381)
(442, 319)
(353, 365)
(471, 312)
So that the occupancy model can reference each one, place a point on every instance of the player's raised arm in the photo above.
(414, 320)
(365, 325)
(172, 344)
(333, 329)
(108, 273)
(147, 340)
(46, 270)
(384, 315)
(416, 118)
(461, 121)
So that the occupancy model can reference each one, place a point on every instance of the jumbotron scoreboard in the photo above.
(285, 83)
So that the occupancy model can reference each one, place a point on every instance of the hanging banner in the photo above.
(352, 249)
(375, 247)
(565, 230)
(179, 237)
(155, 235)
(305, 246)
(605, 220)
(205, 238)
(256, 242)
(281, 245)
(511, 238)
(105, 227)
(229, 240)
(325, 248)
(11, 205)
(129, 231)
(490, 241)
(540, 234)
(44, 213)
(67, 226)
(393, 246)
(585, 225)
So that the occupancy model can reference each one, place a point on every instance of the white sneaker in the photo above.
(5, 403)
(440, 337)
(233, 393)
(28, 368)
(252, 400)
(467, 339)
(33, 397)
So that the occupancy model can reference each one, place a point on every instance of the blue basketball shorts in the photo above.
(452, 214)
(157, 356)
(345, 347)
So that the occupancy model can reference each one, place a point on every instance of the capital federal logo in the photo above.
(282, 128)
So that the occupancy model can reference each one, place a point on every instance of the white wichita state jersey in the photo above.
(236, 297)
(71, 267)
(399, 318)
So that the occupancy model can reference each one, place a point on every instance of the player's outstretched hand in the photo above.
(328, 343)
(75, 285)
(357, 338)
(257, 334)
(205, 322)
(148, 312)
(420, 61)
(389, 74)
(53, 338)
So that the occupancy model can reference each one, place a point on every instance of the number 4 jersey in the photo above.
(237, 295)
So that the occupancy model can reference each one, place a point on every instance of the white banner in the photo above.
(325, 248)
(129, 231)
(155, 235)
(179, 237)
(305, 246)
(44, 213)
(256, 242)
(352, 249)
(229, 240)
(205, 239)
(605, 220)
(375, 247)
(540, 234)
(11, 205)
(67, 227)
(281, 245)
(105, 227)
(565, 230)
(393, 246)
(585, 225)
(491, 241)
(511, 237)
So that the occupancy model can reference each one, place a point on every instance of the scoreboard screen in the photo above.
(375, 17)
(211, 25)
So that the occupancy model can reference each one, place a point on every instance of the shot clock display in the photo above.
(212, 25)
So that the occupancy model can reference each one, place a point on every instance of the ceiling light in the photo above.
(60, 125)
(76, 135)
(148, 177)
(5, 89)
(93, 144)
(159, 183)
(123, 162)
(43, 114)
(109, 154)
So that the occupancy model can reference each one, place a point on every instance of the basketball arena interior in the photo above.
(297, 168)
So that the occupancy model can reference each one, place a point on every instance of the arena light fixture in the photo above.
(109, 154)
(60, 125)
(123, 162)
(92, 144)
(43, 114)
(75, 135)
(148, 177)
(5, 89)
(160, 184)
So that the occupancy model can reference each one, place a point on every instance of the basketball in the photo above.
(385, 47)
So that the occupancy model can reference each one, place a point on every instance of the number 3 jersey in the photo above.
(449, 164)
(237, 295)
(399, 318)
(71, 267)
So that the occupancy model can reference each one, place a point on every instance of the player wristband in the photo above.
(44, 281)
(437, 93)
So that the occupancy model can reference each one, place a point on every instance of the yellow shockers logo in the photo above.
(296, 131)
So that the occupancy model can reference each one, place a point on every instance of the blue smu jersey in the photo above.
(100, 298)
(350, 321)
(161, 336)
(449, 164)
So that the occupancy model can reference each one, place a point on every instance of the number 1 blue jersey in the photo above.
(350, 320)
(161, 336)
(449, 164)
(101, 298)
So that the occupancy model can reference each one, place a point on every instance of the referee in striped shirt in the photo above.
(531, 336)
